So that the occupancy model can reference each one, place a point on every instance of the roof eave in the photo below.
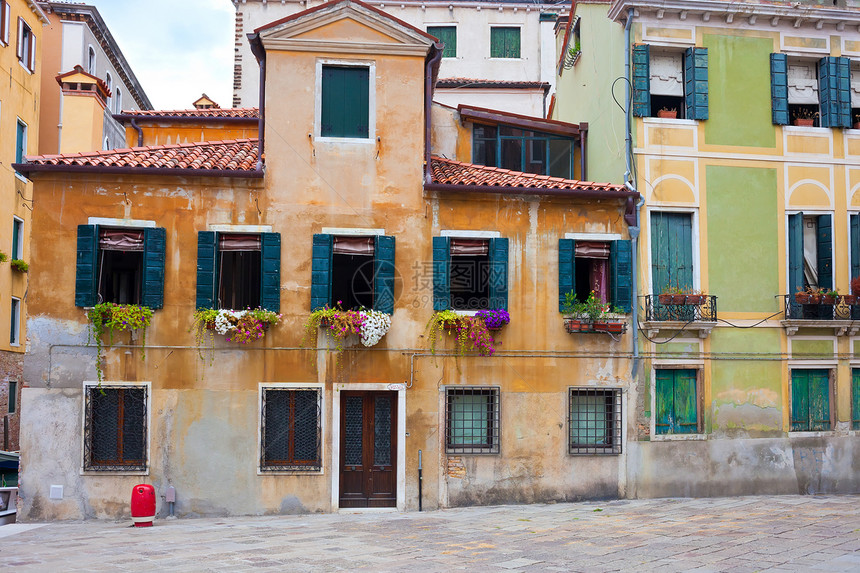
(28, 168)
(507, 190)
(142, 118)
(618, 10)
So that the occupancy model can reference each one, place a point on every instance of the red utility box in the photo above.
(143, 505)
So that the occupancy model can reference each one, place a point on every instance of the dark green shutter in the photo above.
(345, 102)
(696, 83)
(671, 250)
(819, 400)
(621, 274)
(665, 397)
(504, 42)
(685, 410)
(855, 399)
(843, 92)
(154, 245)
(383, 274)
(321, 271)
(824, 244)
(270, 281)
(441, 273)
(20, 152)
(499, 273)
(795, 253)
(512, 45)
(86, 266)
(207, 256)
(799, 400)
(448, 36)
(566, 269)
(641, 81)
(828, 92)
(16, 239)
(855, 246)
(779, 88)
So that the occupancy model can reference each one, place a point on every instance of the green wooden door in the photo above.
(677, 402)
(810, 400)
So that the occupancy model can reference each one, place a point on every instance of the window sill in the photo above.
(345, 140)
(262, 473)
(29, 71)
(678, 437)
(21, 177)
(806, 128)
(840, 327)
(811, 433)
(669, 121)
(457, 452)
(113, 473)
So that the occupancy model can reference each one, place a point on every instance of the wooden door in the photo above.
(368, 449)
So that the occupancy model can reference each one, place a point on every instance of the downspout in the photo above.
(260, 53)
(431, 69)
(139, 131)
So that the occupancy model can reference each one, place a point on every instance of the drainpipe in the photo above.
(139, 131)
(260, 53)
(431, 68)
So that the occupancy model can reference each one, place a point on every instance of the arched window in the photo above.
(108, 81)
(106, 144)
(91, 60)
(117, 101)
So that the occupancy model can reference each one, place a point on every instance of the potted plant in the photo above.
(855, 286)
(804, 117)
(110, 317)
(695, 297)
(808, 295)
(470, 331)
(591, 315)
(857, 121)
(667, 113)
(369, 325)
(672, 295)
(3, 257)
(19, 265)
(829, 296)
(495, 319)
(241, 326)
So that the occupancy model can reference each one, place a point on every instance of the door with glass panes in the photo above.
(368, 451)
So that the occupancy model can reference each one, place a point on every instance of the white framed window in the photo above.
(17, 238)
(117, 101)
(4, 22)
(290, 428)
(20, 141)
(345, 101)
(91, 60)
(116, 427)
(472, 419)
(26, 46)
(15, 327)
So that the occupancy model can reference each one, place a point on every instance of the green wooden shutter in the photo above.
(665, 397)
(441, 273)
(828, 94)
(345, 103)
(566, 269)
(824, 244)
(641, 81)
(696, 83)
(86, 266)
(512, 45)
(499, 273)
(504, 42)
(795, 253)
(270, 268)
(671, 250)
(16, 240)
(383, 274)
(779, 88)
(20, 152)
(855, 399)
(448, 36)
(154, 245)
(799, 400)
(321, 271)
(855, 246)
(686, 410)
(621, 274)
(843, 92)
(819, 400)
(207, 256)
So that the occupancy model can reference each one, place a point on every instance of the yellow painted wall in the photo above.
(168, 133)
(82, 123)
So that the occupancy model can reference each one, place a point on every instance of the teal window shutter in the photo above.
(779, 88)
(321, 271)
(664, 394)
(566, 269)
(855, 245)
(671, 250)
(345, 102)
(207, 255)
(499, 273)
(819, 400)
(855, 399)
(504, 42)
(154, 245)
(641, 80)
(843, 92)
(20, 142)
(696, 83)
(799, 400)
(448, 36)
(86, 266)
(795, 253)
(270, 281)
(441, 273)
(824, 244)
(828, 93)
(621, 274)
(383, 274)
(686, 402)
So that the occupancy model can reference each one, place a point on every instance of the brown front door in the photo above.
(368, 449)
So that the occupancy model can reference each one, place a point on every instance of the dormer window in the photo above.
(345, 102)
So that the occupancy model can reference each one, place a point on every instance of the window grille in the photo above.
(291, 430)
(473, 416)
(595, 421)
(115, 428)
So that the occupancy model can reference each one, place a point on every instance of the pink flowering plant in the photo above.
(240, 326)
(369, 325)
(108, 317)
(470, 331)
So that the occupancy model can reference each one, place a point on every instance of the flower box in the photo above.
(802, 122)
(849, 299)
(667, 113)
(672, 298)
(828, 299)
(578, 325)
(695, 299)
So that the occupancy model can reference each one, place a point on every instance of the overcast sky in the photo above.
(178, 49)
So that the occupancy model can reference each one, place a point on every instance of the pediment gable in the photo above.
(346, 26)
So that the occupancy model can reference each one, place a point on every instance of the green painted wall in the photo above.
(584, 92)
(682, 348)
(811, 348)
(739, 65)
(743, 263)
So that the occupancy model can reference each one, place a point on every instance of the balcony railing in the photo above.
(684, 308)
(835, 310)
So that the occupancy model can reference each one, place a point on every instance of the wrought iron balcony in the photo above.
(683, 308)
(837, 313)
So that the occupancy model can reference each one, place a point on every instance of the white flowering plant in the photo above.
(369, 325)
(241, 326)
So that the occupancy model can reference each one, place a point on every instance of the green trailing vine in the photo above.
(470, 331)
(204, 318)
(3, 257)
(19, 265)
(108, 317)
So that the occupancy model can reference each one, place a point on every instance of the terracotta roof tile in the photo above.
(232, 155)
(241, 112)
(450, 172)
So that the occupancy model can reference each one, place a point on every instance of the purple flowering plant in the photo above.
(494, 318)
(470, 331)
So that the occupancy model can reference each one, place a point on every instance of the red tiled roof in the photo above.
(450, 172)
(479, 83)
(241, 112)
(239, 155)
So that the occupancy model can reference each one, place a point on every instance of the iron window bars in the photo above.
(594, 420)
(472, 420)
(291, 430)
(115, 428)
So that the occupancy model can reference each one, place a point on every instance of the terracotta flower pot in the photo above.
(573, 325)
(828, 299)
(667, 113)
(665, 298)
(849, 299)
(695, 299)
(814, 299)
(615, 327)
(801, 122)
(801, 297)
(857, 125)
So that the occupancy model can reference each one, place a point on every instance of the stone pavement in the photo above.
(790, 533)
